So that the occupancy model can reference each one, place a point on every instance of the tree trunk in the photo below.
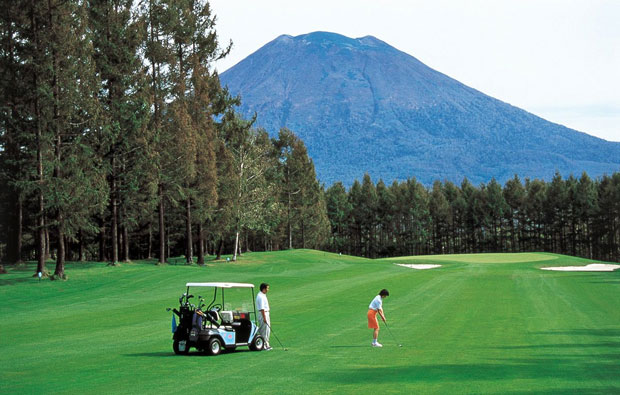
(236, 246)
(290, 227)
(201, 251)
(150, 247)
(114, 204)
(82, 249)
(189, 252)
(39, 141)
(114, 229)
(20, 230)
(47, 242)
(125, 244)
(162, 235)
(219, 249)
(102, 246)
(60, 256)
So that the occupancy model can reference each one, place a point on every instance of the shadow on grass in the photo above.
(192, 353)
(13, 281)
(611, 332)
(353, 346)
(561, 346)
(567, 369)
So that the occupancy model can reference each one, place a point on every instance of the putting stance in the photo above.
(376, 306)
(264, 323)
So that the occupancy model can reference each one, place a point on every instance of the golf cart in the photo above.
(211, 328)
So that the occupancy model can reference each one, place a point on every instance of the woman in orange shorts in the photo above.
(376, 306)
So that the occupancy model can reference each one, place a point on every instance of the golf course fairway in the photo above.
(484, 323)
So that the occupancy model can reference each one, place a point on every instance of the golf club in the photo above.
(274, 335)
(391, 334)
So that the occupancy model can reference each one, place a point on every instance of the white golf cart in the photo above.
(213, 328)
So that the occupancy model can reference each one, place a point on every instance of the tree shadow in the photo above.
(558, 368)
(13, 281)
(610, 332)
(565, 365)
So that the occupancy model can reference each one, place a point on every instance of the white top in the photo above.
(261, 302)
(377, 303)
(220, 285)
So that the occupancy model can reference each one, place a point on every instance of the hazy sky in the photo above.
(559, 59)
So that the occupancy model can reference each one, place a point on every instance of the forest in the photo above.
(117, 142)
(574, 216)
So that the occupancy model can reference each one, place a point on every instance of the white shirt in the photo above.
(261, 302)
(377, 303)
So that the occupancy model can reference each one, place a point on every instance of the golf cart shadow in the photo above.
(172, 354)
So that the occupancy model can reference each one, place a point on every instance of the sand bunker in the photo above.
(593, 267)
(419, 267)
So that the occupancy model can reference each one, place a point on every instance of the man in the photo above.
(264, 323)
(376, 306)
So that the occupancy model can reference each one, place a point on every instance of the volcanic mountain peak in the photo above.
(361, 106)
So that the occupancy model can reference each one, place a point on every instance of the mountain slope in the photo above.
(361, 106)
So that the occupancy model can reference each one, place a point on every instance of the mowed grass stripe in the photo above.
(488, 325)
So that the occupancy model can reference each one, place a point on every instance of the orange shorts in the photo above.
(373, 323)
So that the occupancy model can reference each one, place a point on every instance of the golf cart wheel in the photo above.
(257, 344)
(214, 347)
(180, 347)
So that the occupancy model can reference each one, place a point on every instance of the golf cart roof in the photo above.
(220, 285)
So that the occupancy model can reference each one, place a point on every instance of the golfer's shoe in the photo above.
(377, 344)
(268, 348)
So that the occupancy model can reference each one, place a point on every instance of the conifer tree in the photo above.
(338, 211)
(78, 176)
(514, 195)
(16, 149)
(123, 137)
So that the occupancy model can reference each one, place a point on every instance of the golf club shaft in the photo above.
(274, 335)
(391, 334)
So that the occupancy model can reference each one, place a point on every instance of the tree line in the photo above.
(117, 141)
(575, 216)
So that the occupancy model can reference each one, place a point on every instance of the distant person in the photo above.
(376, 306)
(264, 323)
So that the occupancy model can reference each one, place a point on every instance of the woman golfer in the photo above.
(376, 306)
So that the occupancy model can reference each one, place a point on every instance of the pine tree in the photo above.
(514, 195)
(77, 175)
(123, 137)
(16, 149)
(338, 211)
(439, 211)
(386, 202)
(496, 209)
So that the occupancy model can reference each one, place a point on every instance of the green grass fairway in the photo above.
(487, 323)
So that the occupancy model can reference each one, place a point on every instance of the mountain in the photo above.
(361, 105)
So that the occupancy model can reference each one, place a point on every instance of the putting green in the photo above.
(480, 258)
(489, 323)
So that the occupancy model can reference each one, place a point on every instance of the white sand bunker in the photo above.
(593, 267)
(419, 267)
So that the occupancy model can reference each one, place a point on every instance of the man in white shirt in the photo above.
(376, 306)
(264, 323)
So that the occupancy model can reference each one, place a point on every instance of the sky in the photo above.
(558, 59)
